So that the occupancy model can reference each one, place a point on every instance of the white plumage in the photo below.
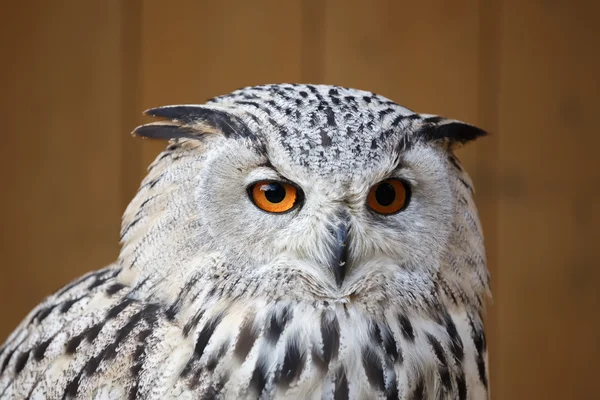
(369, 285)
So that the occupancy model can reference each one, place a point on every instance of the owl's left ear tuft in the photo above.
(192, 121)
(448, 130)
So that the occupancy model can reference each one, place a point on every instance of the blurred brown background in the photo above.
(75, 76)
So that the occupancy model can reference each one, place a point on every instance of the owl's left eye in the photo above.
(389, 196)
(273, 196)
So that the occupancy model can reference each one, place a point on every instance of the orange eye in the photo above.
(389, 196)
(273, 196)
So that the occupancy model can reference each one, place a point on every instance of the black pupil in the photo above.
(274, 192)
(385, 194)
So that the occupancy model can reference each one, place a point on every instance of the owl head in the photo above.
(311, 193)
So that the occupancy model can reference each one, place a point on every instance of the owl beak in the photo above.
(339, 258)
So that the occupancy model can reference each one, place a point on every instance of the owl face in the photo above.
(318, 192)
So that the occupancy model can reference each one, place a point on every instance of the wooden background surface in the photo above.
(75, 76)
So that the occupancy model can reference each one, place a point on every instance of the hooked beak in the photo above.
(339, 259)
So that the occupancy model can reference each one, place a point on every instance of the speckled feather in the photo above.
(213, 298)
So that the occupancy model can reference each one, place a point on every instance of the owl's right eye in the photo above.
(273, 196)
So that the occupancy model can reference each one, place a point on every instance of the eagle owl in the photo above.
(292, 242)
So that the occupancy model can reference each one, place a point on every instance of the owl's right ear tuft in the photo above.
(192, 122)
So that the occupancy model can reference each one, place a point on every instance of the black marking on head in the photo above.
(254, 118)
(92, 332)
(114, 288)
(73, 343)
(143, 335)
(231, 125)
(385, 112)
(72, 387)
(21, 361)
(40, 350)
(116, 310)
(454, 132)
(330, 117)
(245, 340)
(137, 364)
(293, 363)
(330, 333)
(259, 377)
(341, 386)
(325, 138)
(68, 304)
(406, 327)
(373, 369)
(92, 365)
(44, 312)
(206, 333)
(150, 313)
(274, 123)
(99, 281)
(7, 360)
(398, 120)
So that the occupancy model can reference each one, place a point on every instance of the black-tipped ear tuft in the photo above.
(451, 131)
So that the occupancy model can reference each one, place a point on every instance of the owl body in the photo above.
(215, 295)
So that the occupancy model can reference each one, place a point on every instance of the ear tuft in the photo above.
(192, 121)
(451, 131)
